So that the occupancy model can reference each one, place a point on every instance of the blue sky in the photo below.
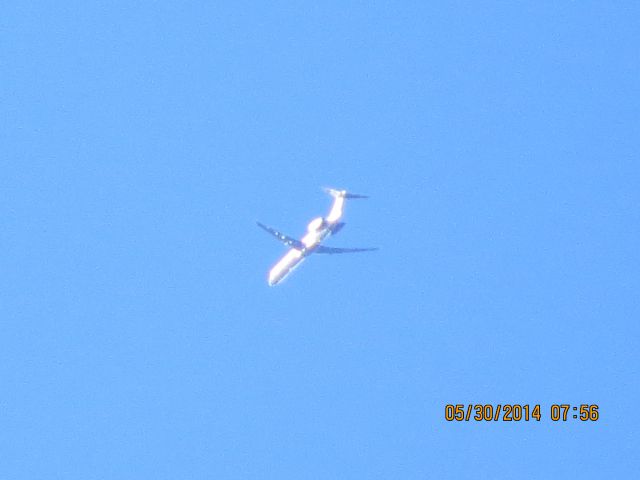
(141, 141)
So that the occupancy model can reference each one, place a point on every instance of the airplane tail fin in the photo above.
(343, 193)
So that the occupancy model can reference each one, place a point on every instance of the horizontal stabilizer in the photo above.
(343, 193)
(331, 250)
(288, 241)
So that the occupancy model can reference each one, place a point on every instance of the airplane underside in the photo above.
(317, 231)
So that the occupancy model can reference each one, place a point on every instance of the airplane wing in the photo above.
(331, 250)
(288, 241)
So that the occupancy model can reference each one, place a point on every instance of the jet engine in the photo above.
(315, 224)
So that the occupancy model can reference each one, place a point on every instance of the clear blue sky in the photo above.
(140, 142)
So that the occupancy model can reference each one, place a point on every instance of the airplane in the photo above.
(318, 230)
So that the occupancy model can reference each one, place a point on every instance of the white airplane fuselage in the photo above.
(318, 230)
